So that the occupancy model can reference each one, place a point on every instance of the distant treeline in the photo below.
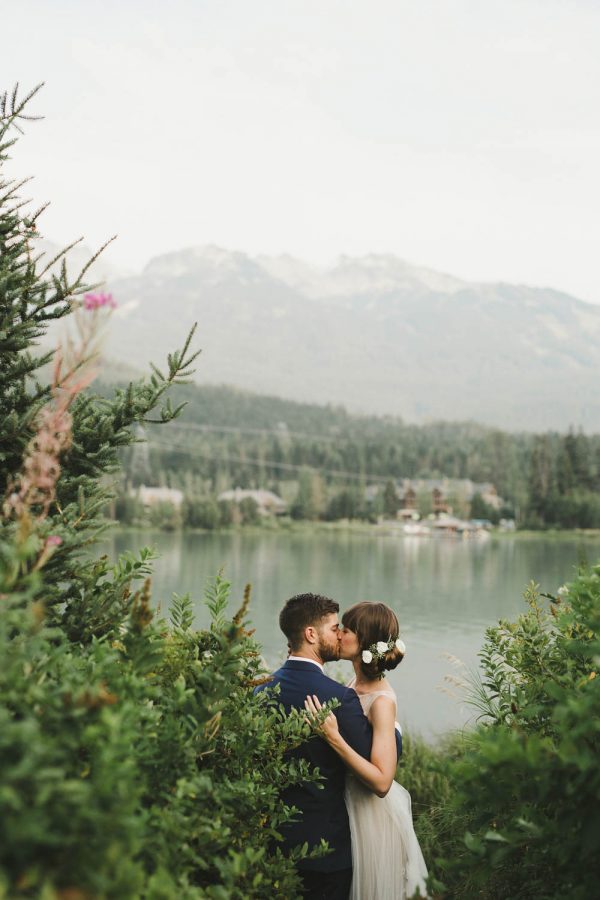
(325, 456)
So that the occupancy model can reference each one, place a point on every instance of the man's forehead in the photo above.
(331, 619)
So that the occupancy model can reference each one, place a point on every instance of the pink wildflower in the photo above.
(97, 301)
(53, 540)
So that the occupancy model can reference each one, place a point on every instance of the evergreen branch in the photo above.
(15, 110)
(102, 426)
(157, 372)
(14, 186)
(20, 205)
(7, 144)
(33, 219)
(92, 260)
(25, 365)
(58, 256)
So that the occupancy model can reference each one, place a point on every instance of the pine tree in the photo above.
(31, 298)
(304, 506)
(135, 760)
(391, 504)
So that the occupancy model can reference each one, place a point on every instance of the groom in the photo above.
(310, 624)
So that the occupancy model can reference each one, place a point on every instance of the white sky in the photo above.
(459, 134)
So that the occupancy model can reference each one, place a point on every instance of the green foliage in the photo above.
(519, 804)
(345, 504)
(482, 510)
(427, 773)
(391, 504)
(201, 513)
(564, 482)
(135, 760)
(249, 511)
(128, 509)
(510, 809)
(30, 299)
(232, 438)
(165, 515)
(140, 762)
(309, 499)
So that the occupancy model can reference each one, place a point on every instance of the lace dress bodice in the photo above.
(367, 700)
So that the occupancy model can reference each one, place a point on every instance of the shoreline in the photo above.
(345, 526)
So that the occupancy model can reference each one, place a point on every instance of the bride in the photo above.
(386, 857)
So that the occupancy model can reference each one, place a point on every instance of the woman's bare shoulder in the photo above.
(383, 706)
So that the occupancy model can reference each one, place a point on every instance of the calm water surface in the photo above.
(445, 592)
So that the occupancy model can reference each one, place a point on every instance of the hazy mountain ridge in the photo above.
(372, 333)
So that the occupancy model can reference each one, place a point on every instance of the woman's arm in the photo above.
(377, 774)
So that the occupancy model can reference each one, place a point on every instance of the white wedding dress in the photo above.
(386, 856)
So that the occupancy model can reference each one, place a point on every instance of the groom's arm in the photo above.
(354, 725)
(398, 735)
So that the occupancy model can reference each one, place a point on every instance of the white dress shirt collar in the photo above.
(305, 659)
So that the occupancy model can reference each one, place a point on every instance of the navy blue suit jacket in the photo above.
(324, 813)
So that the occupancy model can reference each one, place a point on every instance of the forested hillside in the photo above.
(230, 438)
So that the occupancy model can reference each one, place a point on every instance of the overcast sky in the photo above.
(463, 135)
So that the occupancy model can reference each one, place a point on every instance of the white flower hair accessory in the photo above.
(376, 651)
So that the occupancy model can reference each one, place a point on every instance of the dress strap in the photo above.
(367, 700)
(374, 694)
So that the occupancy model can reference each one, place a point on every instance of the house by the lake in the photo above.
(267, 502)
(422, 496)
(150, 496)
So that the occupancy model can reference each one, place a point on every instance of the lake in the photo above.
(445, 591)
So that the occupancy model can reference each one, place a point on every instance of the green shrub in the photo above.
(426, 771)
(135, 761)
(201, 512)
(249, 511)
(140, 764)
(528, 783)
(165, 515)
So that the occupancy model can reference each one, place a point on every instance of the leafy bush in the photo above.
(139, 765)
(512, 809)
(135, 760)
(249, 511)
(201, 512)
(128, 510)
(426, 771)
(165, 515)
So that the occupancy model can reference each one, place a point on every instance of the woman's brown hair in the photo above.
(372, 622)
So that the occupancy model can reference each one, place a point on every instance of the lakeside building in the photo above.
(419, 497)
(267, 502)
(149, 496)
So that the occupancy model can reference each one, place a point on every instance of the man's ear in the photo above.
(310, 635)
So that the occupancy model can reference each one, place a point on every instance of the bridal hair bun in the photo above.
(381, 649)
(377, 630)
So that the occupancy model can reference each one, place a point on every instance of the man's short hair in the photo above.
(301, 611)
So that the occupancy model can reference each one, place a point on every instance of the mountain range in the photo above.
(372, 333)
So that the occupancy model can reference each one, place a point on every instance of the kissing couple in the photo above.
(363, 814)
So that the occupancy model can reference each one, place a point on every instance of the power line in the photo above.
(234, 429)
(268, 463)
